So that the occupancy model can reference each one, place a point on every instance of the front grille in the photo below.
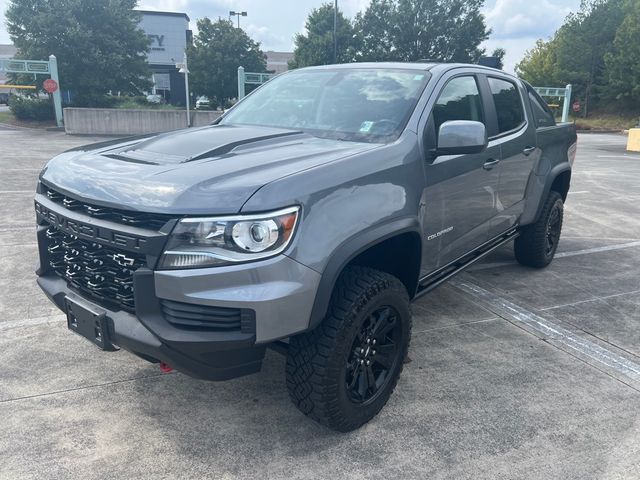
(104, 273)
(151, 221)
(205, 317)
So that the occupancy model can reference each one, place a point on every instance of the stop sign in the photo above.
(576, 106)
(50, 85)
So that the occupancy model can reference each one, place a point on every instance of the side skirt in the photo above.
(435, 279)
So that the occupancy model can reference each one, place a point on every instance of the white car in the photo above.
(202, 102)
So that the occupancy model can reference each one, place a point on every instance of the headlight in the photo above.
(207, 242)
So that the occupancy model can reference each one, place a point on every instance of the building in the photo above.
(6, 51)
(278, 62)
(169, 35)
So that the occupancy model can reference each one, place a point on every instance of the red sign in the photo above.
(576, 106)
(50, 85)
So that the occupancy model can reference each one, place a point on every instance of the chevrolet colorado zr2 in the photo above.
(305, 219)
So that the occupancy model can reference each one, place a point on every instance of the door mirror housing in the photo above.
(460, 137)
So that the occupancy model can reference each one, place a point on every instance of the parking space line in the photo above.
(595, 299)
(586, 251)
(604, 248)
(21, 169)
(519, 315)
(30, 322)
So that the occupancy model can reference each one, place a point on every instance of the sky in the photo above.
(516, 24)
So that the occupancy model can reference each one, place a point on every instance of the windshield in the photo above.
(370, 105)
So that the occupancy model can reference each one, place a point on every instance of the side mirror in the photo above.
(459, 137)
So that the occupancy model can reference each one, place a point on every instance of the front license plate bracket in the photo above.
(89, 324)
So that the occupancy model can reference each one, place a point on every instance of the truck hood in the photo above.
(209, 170)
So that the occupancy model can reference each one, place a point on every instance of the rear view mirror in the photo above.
(459, 137)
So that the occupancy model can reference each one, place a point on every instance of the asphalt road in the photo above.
(515, 373)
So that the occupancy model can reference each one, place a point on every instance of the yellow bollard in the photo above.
(633, 143)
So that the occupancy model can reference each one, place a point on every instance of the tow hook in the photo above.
(164, 368)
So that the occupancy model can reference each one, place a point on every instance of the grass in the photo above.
(6, 117)
(607, 121)
(10, 119)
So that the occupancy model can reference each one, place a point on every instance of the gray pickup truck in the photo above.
(306, 219)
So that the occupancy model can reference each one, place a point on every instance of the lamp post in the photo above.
(335, 31)
(237, 14)
(184, 69)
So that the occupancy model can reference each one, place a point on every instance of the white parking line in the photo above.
(517, 314)
(30, 322)
(586, 251)
(605, 248)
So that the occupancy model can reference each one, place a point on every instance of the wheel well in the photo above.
(399, 256)
(561, 184)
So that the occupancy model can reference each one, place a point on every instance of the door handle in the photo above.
(489, 164)
(529, 150)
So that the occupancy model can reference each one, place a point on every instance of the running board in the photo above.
(435, 279)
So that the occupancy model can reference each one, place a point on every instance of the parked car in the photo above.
(4, 98)
(202, 103)
(306, 220)
(155, 98)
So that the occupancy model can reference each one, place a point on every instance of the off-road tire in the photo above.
(318, 361)
(532, 247)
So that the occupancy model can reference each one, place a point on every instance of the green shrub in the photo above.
(94, 100)
(27, 108)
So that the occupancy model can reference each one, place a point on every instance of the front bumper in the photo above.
(205, 355)
(210, 323)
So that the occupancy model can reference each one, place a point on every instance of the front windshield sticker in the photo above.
(366, 126)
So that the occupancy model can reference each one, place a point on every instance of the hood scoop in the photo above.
(197, 144)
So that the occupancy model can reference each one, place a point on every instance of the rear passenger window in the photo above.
(459, 100)
(508, 104)
(541, 112)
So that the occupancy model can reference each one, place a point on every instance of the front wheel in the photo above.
(342, 373)
(538, 242)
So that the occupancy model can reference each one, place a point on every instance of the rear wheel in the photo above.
(342, 373)
(538, 242)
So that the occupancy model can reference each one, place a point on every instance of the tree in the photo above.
(218, 50)
(412, 30)
(499, 53)
(315, 46)
(98, 43)
(581, 45)
(576, 53)
(377, 31)
(623, 61)
(538, 67)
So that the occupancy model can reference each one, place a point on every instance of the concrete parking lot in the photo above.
(515, 373)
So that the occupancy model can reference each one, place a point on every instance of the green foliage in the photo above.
(98, 43)
(623, 61)
(395, 30)
(538, 67)
(315, 47)
(218, 50)
(499, 53)
(377, 31)
(597, 50)
(440, 30)
(26, 108)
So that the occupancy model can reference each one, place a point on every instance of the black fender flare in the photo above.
(349, 250)
(532, 210)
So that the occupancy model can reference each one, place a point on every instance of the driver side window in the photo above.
(459, 100)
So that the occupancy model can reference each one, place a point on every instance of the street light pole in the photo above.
(185, 69)
(335, 31)
(237, 14)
